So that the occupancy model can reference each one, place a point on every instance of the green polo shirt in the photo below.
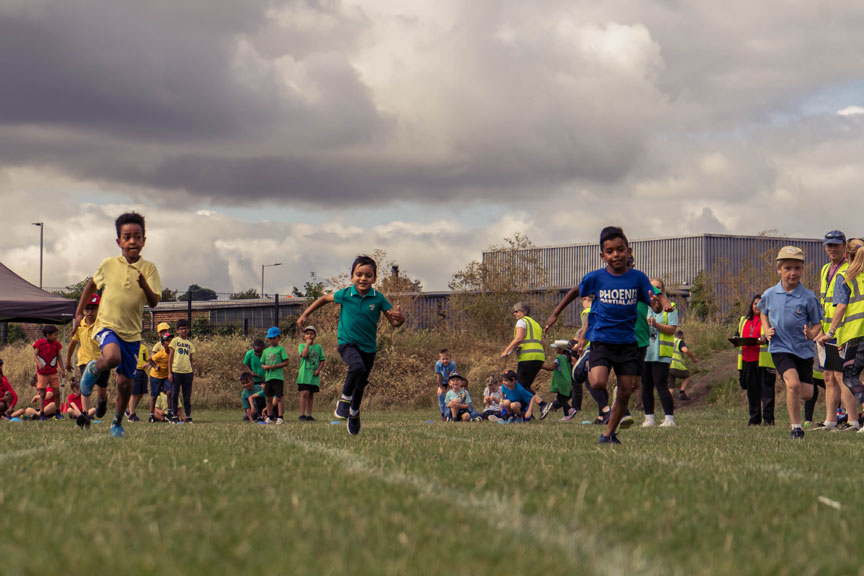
(358, 317)
(643, 333)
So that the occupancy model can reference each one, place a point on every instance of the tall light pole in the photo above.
(41, 226)
(262, 275)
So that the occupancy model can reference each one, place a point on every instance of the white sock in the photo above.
(830, 424)
(796, 426)
(353, 412)
(344, 397)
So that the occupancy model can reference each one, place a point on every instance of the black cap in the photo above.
(509, 375)
(454, 376)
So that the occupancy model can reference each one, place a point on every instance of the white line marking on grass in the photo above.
(503, 513)
(48, 448)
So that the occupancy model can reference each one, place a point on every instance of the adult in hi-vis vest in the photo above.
(832, 369)
(756, 372)
(529, 343)
(847, 326)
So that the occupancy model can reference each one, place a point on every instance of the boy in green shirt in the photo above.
(360, 308)
(273, 359)
(308, 380)
(252, 399)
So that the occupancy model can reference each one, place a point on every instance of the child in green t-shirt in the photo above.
(251, 399)
(562, 380)
(273, 359)
(308, 378)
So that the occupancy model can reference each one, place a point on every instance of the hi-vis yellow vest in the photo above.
(765, 360)
(853, 321)
(667, 341)
(531, 347)
(826, 296)
(678, 357)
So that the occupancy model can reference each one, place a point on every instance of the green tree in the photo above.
(73, 291)
(198, 293)
(249, 294)
(312, 290)
(169, 295)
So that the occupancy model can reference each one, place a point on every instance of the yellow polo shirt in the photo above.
(123, 300)
(88, 348)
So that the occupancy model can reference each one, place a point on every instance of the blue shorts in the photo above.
(128, 352)
(158, 385)
(139, 385)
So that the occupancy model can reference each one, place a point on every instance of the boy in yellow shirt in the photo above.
(159, 373)
(128, 282)
(181, 362)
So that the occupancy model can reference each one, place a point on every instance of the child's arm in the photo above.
(320, 366)
(37, 359)
(89, 289)
(550, 366)
(767, 329)
(171, 365)
(60, 368)
(322, 301)
(149, 294)
(395, 316)
(69, 352)
(572, 295)
(192, 361)
(687, 352)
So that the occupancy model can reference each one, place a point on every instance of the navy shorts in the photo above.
(139, 385)
(624, 359)
(804, 366)
(128, 352)
(158, 385)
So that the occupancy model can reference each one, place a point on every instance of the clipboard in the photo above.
(739, 341)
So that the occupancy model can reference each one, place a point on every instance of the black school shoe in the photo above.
(354, 424)
(611, 439)
(797, 434)
(82, 421)
(101, 407)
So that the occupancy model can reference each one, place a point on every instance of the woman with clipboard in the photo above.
(755, 367)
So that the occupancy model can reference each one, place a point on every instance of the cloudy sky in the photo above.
(306, 132)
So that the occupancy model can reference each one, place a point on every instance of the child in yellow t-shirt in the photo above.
(159, 374)
(128, 282)
(181, 365)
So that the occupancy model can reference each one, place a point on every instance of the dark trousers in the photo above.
(853, 365)
(184, 382)
(759, 383)
(527, 371)
(359, 366)
(656, 375)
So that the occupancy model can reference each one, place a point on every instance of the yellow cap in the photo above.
(163, 326)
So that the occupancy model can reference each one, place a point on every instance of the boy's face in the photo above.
(310, 335)
(258, 349)
(509, 383)
(90, 313)
(445, 359)
(247, 383)
(586, 302)
(273, 341)
(131, 241)
(363, 277)
(51, 336)
(790, 272)
(183, 331)
(615, 253)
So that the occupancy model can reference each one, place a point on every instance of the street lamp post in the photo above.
(262, 275)
(41, 226)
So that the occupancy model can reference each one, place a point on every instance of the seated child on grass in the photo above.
(8, 397)
(252, 398)
(45, 395)
(492, 398)
(73, 407)
(162, 410)
(458, 399)
(519, 403)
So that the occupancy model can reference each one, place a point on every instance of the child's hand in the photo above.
(142, 281)
(769, 333)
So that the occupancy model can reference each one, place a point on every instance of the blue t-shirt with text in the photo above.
(612, 319)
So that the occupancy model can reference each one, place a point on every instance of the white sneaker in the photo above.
(861, 430)
(667, 424)
(570, 415)
(279, 420)
(493, 418)
(649, 423)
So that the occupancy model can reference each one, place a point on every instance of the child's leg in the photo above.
(453, 412)
(795, 392)
(124, 392)
(271, 407)
(442, 406)
(41, 403)
(466, 417)
(809, 405)
(186, 382)
(564, 402)
(174, 396)
(626, 383)
(359, 366)
(56, 379)
(304, 400)
(310, 402)
(74, 412)
(576, 395)
(50, 410)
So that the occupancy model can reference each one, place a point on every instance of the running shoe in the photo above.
(354, 424)
(797, 434)
(302, 418)
(683, 396)
(494, 418)
(570, 415)
(843, 427)
(824, 426)
(151, 420)
(88, 378)
(343, 409)
(134, 417)
(188, 420)
(310, 418)
(626, 422)
(545, 409)
(649, 423)
(116, 431)
(667, 424)
(279, 420)
(611, 439)
(59, 417)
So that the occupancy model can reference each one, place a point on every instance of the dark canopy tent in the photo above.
(21, 301)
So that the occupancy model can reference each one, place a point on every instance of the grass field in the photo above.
(410, 497)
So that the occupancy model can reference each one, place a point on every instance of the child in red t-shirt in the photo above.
(49, 364)
(46, 398)
(74, 407)
(8, 397)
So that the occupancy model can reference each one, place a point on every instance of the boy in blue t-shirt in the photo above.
(518, 401)
(617, 290)
(444, 367)
(361, 307)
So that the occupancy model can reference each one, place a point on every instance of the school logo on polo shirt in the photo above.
(372, 307)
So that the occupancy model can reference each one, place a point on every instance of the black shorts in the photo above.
(624, 359)
(804, 366)
(274, 388)
(307, 388)
(678, 374)
(139, 384)
(832, 358)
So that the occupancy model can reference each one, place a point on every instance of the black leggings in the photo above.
(656, 375)
(359, 366)
(759, 383)
(526, 372)
(562, 401)
(853, 365)
(183, 381)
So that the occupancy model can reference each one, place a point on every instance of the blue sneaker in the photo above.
(116, 430)
(343, 409)
(59, 417)
(520, 420)
(611, 439)
(88, 378)
(510, 420)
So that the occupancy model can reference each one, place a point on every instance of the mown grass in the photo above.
(409, 497)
